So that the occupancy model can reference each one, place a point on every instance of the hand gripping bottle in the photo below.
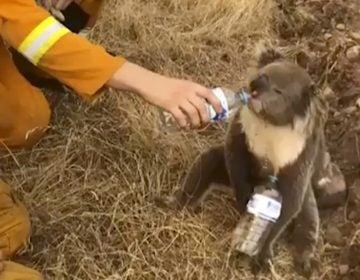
(229, 100)
(263, 210)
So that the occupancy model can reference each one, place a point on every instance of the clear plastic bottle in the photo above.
(263, 210)
(230, 101)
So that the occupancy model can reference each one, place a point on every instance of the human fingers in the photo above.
(179, 116)
(208, 95)
(201, 107)
(62, 4)
(191, 112)
(47, 4)
(57, 14)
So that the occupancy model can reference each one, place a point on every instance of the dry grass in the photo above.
(89, 184)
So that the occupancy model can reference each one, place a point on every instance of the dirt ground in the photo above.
(89, 184)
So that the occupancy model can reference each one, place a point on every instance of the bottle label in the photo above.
(219, 93)
(265, 207)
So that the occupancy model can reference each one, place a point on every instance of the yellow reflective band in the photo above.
(41, 39)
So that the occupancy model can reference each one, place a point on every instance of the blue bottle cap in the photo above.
(244, 96)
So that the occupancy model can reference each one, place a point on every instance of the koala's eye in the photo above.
(278, 91)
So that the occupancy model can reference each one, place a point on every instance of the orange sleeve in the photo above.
(73, 60)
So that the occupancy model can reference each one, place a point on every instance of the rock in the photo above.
(327, 36)
(343, 269)
(353, 53)
(358, 102)
(328, 92)
(354, 193)
(349, 109)
(354, 216)
(340, 26)
(334, 236)
(355, 36)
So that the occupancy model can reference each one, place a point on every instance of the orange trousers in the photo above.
(14, 233)
(25, 112)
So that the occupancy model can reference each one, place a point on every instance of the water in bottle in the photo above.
(263, 210)
(230, 101)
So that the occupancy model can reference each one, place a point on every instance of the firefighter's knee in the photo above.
(24, 117)
(14, 222)
(15, 271)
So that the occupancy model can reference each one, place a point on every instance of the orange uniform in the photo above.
(24, 111)
(51, 47)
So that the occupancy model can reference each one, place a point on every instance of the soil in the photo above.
(331, 41)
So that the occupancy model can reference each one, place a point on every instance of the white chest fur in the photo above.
(281, 145)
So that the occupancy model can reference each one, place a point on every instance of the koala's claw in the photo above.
(263, 262)
(166, 202)
(306, 266)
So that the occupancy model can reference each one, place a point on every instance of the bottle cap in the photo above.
(244, 96)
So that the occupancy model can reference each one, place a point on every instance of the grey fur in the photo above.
(234, 164)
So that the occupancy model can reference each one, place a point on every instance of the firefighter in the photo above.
(34, 33)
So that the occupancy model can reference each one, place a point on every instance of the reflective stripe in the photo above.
(41, 39)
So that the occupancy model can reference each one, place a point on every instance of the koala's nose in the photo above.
(254, 93)
(259, 84)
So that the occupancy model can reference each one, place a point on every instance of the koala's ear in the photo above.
(266, 54)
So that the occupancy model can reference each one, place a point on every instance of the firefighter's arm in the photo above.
(86, 67)
(183, 99)
(46, 43)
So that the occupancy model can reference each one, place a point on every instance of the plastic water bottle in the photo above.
(263, 210)
(230, 101)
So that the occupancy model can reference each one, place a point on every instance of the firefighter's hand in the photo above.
(185, 100)
(61, 4)
(56, 6)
